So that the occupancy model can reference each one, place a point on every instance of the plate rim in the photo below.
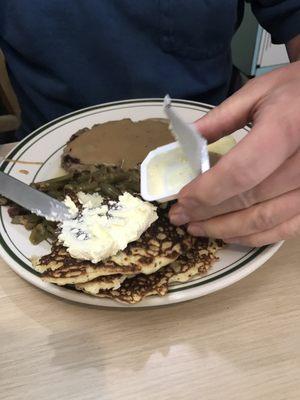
(47, 125)
(174, 296)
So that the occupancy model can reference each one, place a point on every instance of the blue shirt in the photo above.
(65, 54)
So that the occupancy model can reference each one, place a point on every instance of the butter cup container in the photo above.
(164, 172)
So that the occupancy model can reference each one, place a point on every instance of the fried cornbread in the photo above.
(163, 255)
(194, 262)
(160, 245)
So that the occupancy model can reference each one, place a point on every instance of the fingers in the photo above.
(258, 218)
(285, 179)
(250, 162)
(232, 114)
(273, 139)
(180, 215)
(229, 116)
(284, 231)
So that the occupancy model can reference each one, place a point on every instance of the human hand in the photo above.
(252, 195)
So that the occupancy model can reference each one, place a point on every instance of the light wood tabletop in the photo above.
(239, 343)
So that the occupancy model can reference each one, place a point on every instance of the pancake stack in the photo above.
(164, 254)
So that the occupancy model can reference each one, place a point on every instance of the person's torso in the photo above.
(64, 55)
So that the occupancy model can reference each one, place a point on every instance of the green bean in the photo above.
(50, 228)
(38, 234)
(51, 188)
(134, 173)
(33, 218)
(117, 177)
(85, 176)
(109, 190)
(51, 236)
(122, 187)
(133, 185)
(59, 179)
(29, 226)
(51, 232)
(109, 176)
(52, 184)
(28, 220)
(70, 186)
(56, 194)
(3, 201)
(19, 219)
(31, 221)
(84, 187)
(53, 224)
(109, 181)
(98, 177)
(103, 168)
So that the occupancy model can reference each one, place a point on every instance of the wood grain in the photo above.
(240, 343)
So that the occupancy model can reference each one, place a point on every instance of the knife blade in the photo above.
(193, 144)
(33, 200)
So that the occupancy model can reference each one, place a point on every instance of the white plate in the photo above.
(46, 145)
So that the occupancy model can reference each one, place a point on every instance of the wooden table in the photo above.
(240, 343)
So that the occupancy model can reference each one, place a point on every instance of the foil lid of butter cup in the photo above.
(192, 142)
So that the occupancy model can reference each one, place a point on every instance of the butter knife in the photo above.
(193, 144)
(33, 200)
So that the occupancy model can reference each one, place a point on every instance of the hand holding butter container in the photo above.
(167, 169)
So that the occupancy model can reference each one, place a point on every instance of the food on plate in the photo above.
(101, 227)
(107, 181)
(159, 245)
(39, 227)
(117, 245)
(196, 261)
(123, 143)
(222, 146)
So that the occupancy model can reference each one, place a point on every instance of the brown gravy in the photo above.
(125, 143)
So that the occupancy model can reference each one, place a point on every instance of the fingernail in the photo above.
(179, 218)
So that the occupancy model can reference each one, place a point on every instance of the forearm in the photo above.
(293, 48)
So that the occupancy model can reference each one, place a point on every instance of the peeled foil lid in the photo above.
(192, 142)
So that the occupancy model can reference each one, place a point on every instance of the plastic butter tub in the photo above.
(166, 170)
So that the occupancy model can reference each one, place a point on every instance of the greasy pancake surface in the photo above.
(102, 283)
(160, 245)
(135, 289)
(60, 268)
(194, 262)
(96, 146)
